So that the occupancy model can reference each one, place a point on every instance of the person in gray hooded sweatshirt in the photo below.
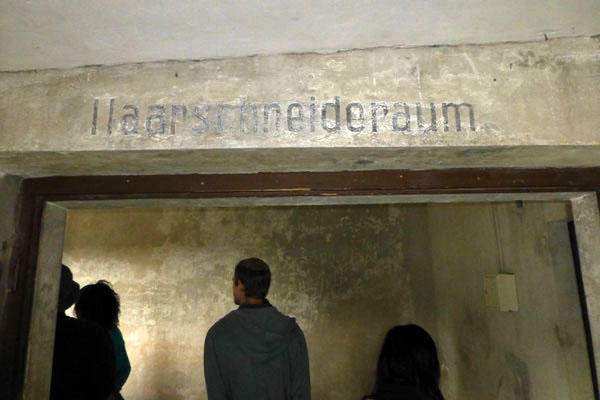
(255, 352)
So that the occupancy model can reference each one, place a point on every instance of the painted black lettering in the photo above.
(300, 117)
(295, 120)
(457, 108)
(95, 117)
(336, 108)
(111, 111)
(129, 121)
(313, 114)
(421, 125)
(374, 120)
(177, 109)
(246, 108)
(222, 110)
(200, 112)
(401, 114)
(155, 121)
(350, 117)
(267, 111)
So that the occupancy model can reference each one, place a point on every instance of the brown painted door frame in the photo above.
(35, 192)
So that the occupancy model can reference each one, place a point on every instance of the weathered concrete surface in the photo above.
(9, 192)
(293, 159)
(522, 96)
(47, 34)
(38, 370)
(538, 352)
(333, 266)
(586, 217)
(568, 312)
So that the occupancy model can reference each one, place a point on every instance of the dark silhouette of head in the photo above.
(99, 303)
(251, 279)
(409, 357)
(69, 289)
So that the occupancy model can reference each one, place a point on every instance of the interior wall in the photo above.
(516, 105)
(341, 271)
(9, 192)
(535, 353)
(332, 267)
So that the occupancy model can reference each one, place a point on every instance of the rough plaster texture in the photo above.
(38, 373)
(586, 216)
(9, 191)
(173, 270)
(44, 33)
(535, 353)
(522, 96)
(293, 159)
(333, 266)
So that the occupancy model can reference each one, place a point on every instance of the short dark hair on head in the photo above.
(255, 275)
(99, 303)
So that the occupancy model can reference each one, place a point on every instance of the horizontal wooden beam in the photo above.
(317, 183)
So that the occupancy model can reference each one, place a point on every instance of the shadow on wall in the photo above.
(332, 267)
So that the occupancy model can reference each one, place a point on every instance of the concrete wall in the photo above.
(46, 35)
(532, 104)
(333, 266)
(535, 353)
(9, 191)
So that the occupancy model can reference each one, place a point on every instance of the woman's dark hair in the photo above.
(255, 275)
(99, 303)
(409, 357)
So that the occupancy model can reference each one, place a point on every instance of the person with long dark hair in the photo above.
(408, 367)
(84, 362)
(99, 303)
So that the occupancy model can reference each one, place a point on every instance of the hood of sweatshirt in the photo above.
(263, 332)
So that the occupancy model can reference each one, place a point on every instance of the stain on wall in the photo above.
(521, 355)
(339, 270)
(347, 273)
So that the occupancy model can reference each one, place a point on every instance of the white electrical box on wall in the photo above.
(501, 292)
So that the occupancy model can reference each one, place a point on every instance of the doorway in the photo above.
(348, 273)
(326, 193)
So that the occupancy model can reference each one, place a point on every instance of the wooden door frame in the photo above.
(36, 193)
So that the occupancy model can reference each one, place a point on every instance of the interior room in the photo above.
(494, 283)
(394, 162)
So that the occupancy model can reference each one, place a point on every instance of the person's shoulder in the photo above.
(289, 319)
(78, 333)
(293, 324)
(223, 324)
(81, 326)
(286, 320)
(116, 335)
